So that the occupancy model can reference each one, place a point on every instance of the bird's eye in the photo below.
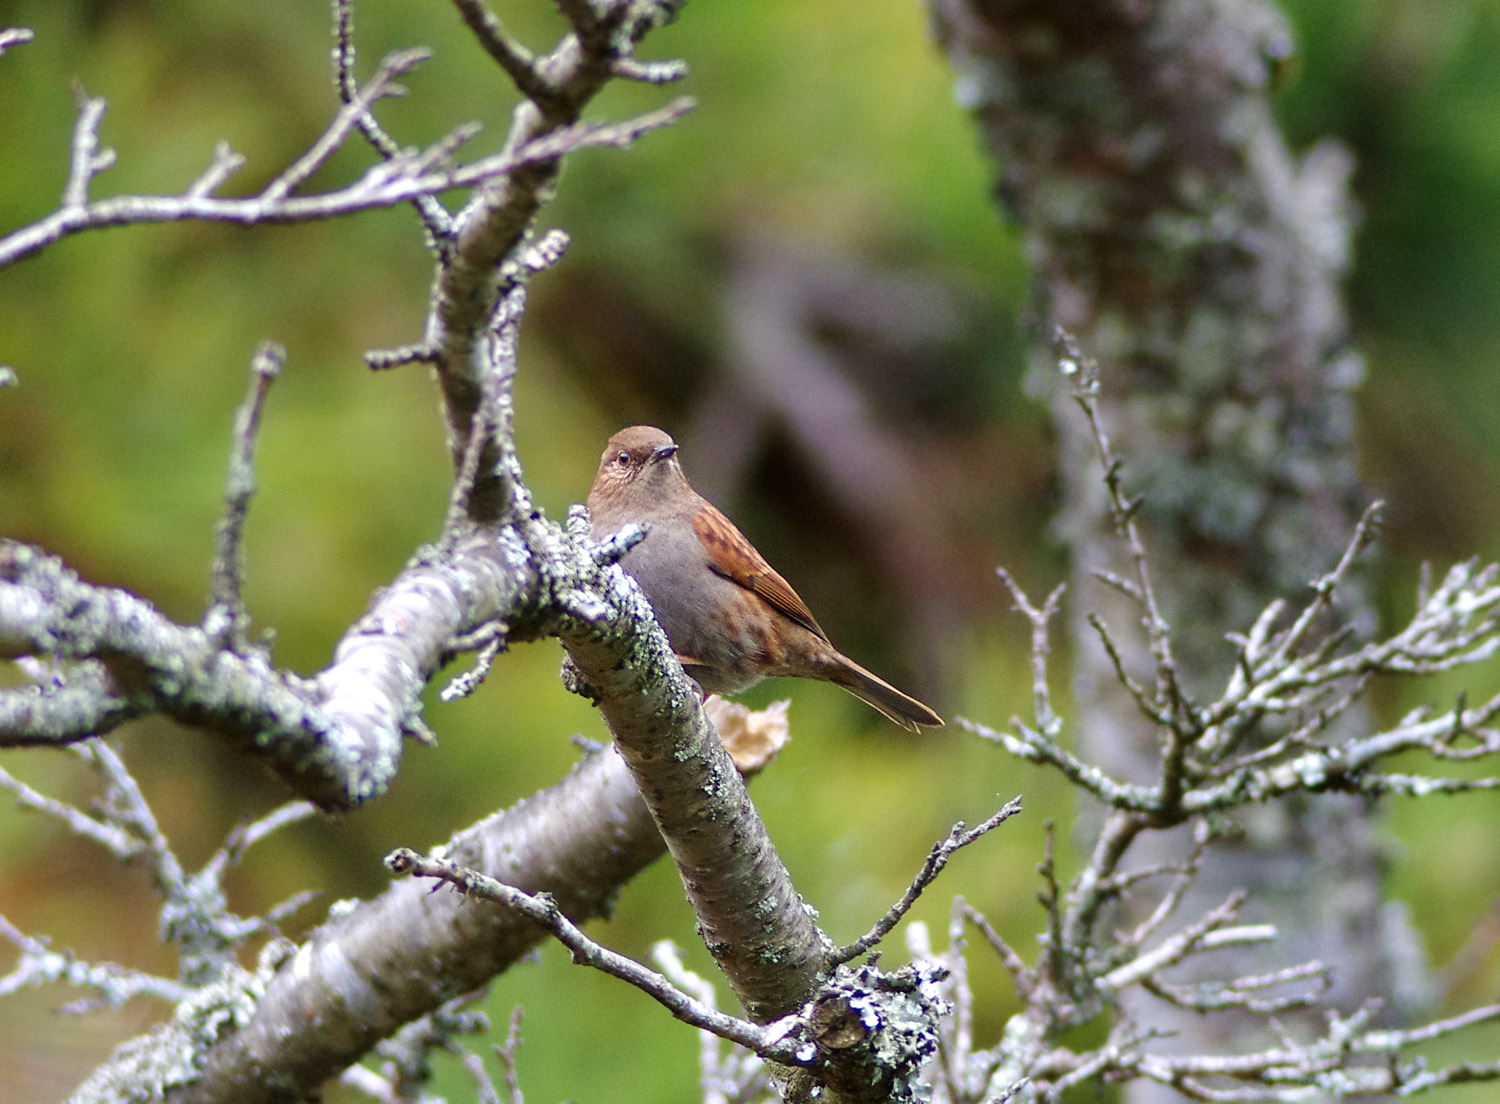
(622, 458)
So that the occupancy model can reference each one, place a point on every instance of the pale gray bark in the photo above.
(1176, 237)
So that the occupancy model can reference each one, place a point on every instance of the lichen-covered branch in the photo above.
(751, 917)
(480, 260)
(1086, 972)
(336, 737)
(386, 962)
(110, 656)
(542, 910)
(195, 918)
(1172, 230)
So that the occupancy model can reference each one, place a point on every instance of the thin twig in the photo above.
(722, 1075)
(435, 217)
(1186, 873)
(505, 1053)
(1083, 378)
(1023, 976)
(14, 36)
(87, 158)
(226, 617)
(543, 910)
(345, 120)
(126, 805)
(107, 833)
(956, 1045)
(386, 185)
(39, 964)
(247, 834)
(481, 430)
(1046, 720)
(1324, 588)
(1241, 992)
(1204, 933)
(518, 63)
(421, 352)
(466, 682)
(958, 838)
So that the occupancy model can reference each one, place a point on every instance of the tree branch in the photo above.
(749, 914)
(959, 837)
(542, 910)
(387, 961)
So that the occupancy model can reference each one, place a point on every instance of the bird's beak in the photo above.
(664, 452)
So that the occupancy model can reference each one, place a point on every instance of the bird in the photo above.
(730, 618)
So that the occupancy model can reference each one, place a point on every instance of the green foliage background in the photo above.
(832, 121)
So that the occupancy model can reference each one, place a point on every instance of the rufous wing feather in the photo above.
(735, 558)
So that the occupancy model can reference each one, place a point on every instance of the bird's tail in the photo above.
(902, 709)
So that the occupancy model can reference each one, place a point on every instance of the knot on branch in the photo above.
(873, 1031)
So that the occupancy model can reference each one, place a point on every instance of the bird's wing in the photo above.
(735, 558)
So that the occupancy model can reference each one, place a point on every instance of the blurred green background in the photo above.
(831, 124)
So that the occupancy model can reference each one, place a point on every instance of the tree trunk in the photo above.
(1173, 234)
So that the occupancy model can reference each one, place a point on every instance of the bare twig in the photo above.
(399, 180)
(579, 136)
(381, 85)
(466, 682)
(543, 910)
(371, 1084)
(486, 420)
(419, 353)
(1207, 933)
(126, 805)
(1170, 699)
(518, 63)
(1022, 975)
(1033, 746)
(649, 72)
(1289, 641)
(725, 1074)
(226, 613)
(105, 831)
(13, 36)
(1241, 992)
(506, 1053)
(40, 965)
(1185, 875)
(434, 215)
(1301, 682)
(248, 833)
(959, 837)
(88, 159)
(1046, 720)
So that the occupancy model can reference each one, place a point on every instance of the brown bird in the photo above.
(731, 619)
